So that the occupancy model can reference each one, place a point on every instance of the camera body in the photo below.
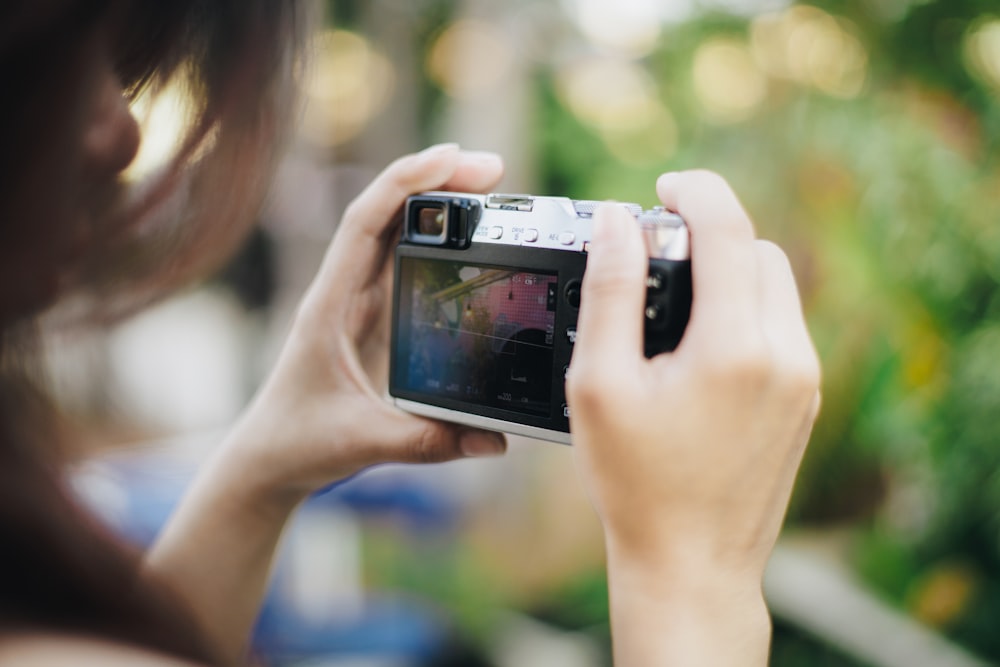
(485, 302)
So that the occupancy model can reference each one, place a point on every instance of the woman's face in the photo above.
(77, 135)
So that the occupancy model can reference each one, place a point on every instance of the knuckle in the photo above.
(816, 406)
(771, 253)
(596, 392)
(353, 210)
(579, 384)
(397, 178)
(400, 173)
(755, 367)
(802, 378)
(399, 170)
(710, 195)
(749, 362)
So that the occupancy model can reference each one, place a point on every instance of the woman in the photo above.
(689, 457)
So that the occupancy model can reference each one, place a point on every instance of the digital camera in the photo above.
(485, 303)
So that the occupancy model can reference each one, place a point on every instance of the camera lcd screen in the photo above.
(477, 334)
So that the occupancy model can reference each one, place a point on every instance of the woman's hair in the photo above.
(234, 61)
(237, 61)
(59, 570)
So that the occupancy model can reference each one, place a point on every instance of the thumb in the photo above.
(610, 325)
(407, 438)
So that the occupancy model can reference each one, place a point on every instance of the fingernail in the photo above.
(478, 444)
(481, 156)
(439, 149)
(667, 180)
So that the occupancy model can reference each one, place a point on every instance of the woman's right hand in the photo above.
(690, 457)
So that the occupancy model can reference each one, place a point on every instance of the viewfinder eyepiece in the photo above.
(440, 221)
(430, 221)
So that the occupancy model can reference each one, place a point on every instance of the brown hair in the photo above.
(238, 59)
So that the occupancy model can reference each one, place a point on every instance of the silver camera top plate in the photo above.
(561, 223)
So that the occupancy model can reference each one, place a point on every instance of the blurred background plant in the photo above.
(863, 137)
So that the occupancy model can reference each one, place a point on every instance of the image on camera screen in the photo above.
(480, 335)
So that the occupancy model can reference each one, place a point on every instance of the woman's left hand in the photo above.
(322, 414)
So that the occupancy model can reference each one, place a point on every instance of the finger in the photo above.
(796, 364)
(610, 324)
(371, 220)
(372, 212)
(782, 320)
(723, 263)
(477, 171)
(406, 438)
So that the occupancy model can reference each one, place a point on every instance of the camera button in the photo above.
(573, 293)
(530, 235)
(496, 232)
(567, 238)
(655, 281)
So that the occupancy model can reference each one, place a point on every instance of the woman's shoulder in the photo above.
(55, 650)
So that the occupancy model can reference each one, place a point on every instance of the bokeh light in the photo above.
(626, 26)
(728, 84)
(651, 144)
(470, 58)
(349, 84)
(608, 93)
(745, 7)
(811, 47)
(618, 99)
(164, 115)
(982, 52)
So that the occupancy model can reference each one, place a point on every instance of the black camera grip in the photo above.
(668, 304)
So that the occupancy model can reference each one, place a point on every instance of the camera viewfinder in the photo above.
(440, 221)
(430, 221)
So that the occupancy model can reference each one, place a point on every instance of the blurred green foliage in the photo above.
(888, 204)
